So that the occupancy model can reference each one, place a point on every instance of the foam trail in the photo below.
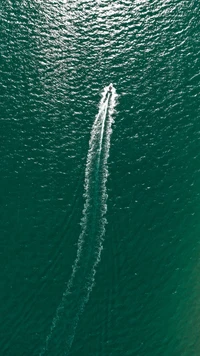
(90, 240)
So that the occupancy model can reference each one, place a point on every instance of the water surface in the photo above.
(56, 59)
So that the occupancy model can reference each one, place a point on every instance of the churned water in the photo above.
(100, 194)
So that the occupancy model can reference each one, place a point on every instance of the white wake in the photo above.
(90, 242)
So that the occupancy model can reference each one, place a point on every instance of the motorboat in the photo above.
(110, 88)
(109, 92)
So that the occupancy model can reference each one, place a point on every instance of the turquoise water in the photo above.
(100, 202)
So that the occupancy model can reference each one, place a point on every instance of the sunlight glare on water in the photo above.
(141, 297)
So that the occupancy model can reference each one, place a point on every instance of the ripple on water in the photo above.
(55, 61)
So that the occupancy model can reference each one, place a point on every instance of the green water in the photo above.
(135, 288)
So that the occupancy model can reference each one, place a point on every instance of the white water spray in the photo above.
(90, 242)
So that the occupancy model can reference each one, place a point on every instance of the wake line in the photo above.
(90, 240)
